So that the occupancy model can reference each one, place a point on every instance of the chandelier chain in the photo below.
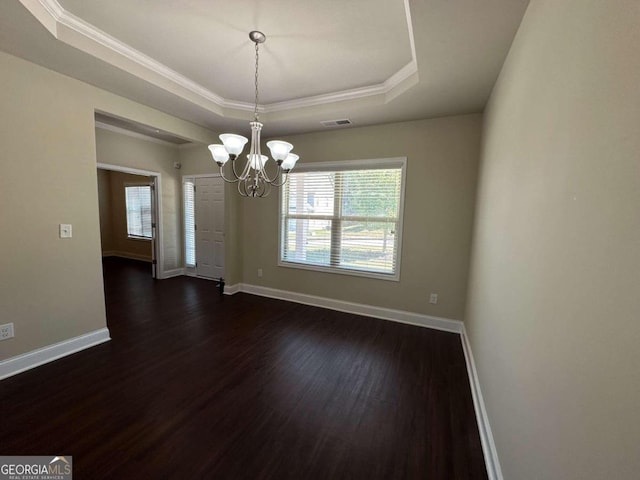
(255, 110)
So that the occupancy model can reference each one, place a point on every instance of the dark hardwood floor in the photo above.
(195, 385)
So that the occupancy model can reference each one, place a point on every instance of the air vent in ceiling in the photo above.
(336, 123)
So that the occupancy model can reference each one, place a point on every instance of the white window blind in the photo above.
(189, 223)
(138, 200)
(345, 219)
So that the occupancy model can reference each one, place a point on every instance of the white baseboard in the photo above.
(401, 316)
(176, 272)
(491, 459)
(232, 289)
(130, 256)
(35, 358)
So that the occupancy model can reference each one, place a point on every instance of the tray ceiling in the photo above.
(372, 61)
(207, 41)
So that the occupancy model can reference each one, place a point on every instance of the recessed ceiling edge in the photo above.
(65, 27)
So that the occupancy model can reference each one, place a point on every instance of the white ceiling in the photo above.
(372, 61)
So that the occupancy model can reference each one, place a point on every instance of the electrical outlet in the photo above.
(65, 230)
(433, 298)
(6, 331)
(259, 273)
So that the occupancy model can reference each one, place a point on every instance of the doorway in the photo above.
(129, 215)
(204, 226)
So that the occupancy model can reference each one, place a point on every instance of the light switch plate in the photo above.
(65, 230)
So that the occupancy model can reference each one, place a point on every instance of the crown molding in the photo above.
(56, 19)
(381, 89)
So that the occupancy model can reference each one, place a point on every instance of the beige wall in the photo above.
(113, 230)
(442, 157)
(196, 160)
(554, 296)
(104, 206)
(126, 151)
(51, 288)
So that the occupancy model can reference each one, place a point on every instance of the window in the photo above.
(344, 217)
(138, 199)
(188, 188)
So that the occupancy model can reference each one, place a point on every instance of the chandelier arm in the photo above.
(284, 176)
(240, 190)
(225, 178)
(247, 189)
(266, 190)
(252, 188)
(259, 189)
(244, 170)
(263, 172)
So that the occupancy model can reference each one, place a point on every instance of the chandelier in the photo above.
(253, 180)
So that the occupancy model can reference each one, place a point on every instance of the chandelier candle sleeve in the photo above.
(254, 181)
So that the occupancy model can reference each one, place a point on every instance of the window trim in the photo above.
(369, 164)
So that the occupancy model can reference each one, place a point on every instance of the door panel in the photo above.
(209, 215)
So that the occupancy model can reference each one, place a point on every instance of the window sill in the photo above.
(342, 271)
(140, 239)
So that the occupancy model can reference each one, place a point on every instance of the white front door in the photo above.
(209, 227)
